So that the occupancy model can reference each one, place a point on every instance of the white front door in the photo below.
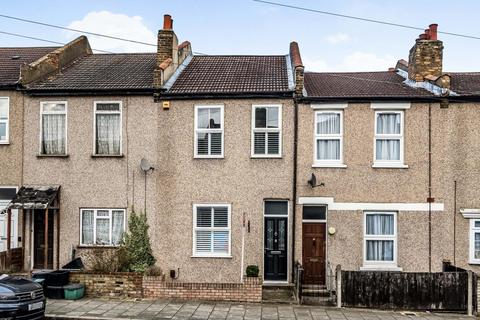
(3, 227)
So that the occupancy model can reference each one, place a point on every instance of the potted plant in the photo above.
(252, 271)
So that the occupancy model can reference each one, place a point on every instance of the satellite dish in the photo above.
(312, 181)
(145, 165)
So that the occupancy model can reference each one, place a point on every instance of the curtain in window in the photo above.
(103, 232)
(477, 245)
(108, 134)
(380, 250)
(388, 149)
(117, 227)
(53, 134)
(87, 227)
(380, 224)
(328, 123)
(3, 131)
(388, 123)
(328, 149)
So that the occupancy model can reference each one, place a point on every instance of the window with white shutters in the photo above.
(266, 131)
(4, 119)
(209, 132)
(211, 230)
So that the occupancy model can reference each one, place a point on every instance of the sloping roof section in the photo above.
(210, 75)
(383, 84)
(121, 71)
(465, 83)
(34, 197)
(12, 58)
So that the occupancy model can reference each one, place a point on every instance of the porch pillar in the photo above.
(9, 238)
(57, 216)
(24, 242)
(45, 252)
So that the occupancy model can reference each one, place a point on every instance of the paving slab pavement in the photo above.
(87, 309)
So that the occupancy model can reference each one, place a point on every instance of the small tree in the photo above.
(137, 243)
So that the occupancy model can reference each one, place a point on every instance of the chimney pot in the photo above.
(167, 22)
(423, 36)
(427, 33)
(433, 31)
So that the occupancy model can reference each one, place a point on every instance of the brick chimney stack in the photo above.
(169, 54)
(425, 58)
(167, 42)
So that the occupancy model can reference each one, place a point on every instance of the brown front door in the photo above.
(39, 239)
(314, 253)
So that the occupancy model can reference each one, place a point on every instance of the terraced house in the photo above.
(239, 160)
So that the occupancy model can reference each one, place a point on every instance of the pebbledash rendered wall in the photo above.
(455, 157)
(133, 285)
(166, 139)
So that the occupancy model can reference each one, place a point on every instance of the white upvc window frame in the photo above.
(473, 231)
(266, 131)
(7, 122)
(197, 130)
(228, 228)
(380, 265)
(337, 136)
(95, 112)
(42, 112)
(95, 217)
(389, 163)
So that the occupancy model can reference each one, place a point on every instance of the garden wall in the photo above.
(110, 285)
(134, 285)
(248, 291)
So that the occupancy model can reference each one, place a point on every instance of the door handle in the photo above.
(275, 252)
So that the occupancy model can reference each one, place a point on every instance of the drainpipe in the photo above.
(294, 187)
(454, 222)
(430, 187)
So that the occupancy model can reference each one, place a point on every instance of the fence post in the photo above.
(470, 293)
(338, 273)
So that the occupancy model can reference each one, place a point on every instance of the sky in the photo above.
(327, 43)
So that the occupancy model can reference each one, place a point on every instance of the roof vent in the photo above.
(15, 57)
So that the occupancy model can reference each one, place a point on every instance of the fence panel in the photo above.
(405, 290)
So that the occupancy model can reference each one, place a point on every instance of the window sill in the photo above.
(389, 166)
(474, 262)
(53, 155)
(6, 143)
(84, 246)
(208, 157)
(212, 256)
(380, 268)
(267, 156)
(107, 155)
(329, 165)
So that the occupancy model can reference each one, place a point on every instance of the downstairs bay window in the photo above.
(380, 240)
(102, 227)
(211, 230)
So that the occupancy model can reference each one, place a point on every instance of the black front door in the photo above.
(275, 261)
(39, 239)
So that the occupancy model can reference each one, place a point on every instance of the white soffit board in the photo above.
(329, 106)
(370, 206)
(390, 105)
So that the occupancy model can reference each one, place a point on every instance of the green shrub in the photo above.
(252, 271)
(137, 243)
(153, 271)
(106, 259)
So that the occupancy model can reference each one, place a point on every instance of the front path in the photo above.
(126, 309)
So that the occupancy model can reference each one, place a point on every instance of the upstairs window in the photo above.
(328, 138)
(4, 119)
(209, 132)
(388, 138)
(108, 128)
(211, 230)
(267, 134)
(53, 135)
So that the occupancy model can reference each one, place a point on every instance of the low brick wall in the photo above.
(111, 285)
(248, 291)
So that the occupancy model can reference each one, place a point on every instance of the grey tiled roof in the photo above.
(12, 58)
(121, 71)
(465, 83)
(233, 74)
(383, 84)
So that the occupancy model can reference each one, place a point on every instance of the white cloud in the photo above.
(117, 25)
(338, 38)
(364, 61)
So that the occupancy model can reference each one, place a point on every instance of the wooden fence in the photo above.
(409, 290)
(16, 262)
